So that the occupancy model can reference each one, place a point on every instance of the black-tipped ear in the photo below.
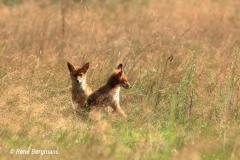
(70, 67)
(85, 67)
(120, 66)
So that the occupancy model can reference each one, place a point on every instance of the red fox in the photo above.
(80, 89)
(109, 94)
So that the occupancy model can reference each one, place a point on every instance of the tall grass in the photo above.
(181, 57)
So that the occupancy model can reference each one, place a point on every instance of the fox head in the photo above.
(119, 78)
(78, 74)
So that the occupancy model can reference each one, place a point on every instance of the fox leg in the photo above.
(117, 108)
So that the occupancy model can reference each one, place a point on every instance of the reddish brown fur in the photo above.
(80, 89)
(108, 95)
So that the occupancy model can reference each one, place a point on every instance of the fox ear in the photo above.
(120, 73)
(85, 67)
(120, 66)
(70, 67)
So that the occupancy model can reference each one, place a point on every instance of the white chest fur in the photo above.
(116, 95)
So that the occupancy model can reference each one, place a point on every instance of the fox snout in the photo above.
(126, 85)
(80, 79)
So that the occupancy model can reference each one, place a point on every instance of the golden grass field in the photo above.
(182, 58)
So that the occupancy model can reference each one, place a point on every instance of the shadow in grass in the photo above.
(82, 114)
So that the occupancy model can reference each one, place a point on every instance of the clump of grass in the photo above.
(181, 59)
(11, 2)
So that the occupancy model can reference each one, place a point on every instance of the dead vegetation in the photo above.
(187, 105)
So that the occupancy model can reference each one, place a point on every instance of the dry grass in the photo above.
(187, 108)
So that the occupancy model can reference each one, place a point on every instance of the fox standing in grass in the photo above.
(109, 94)
(80, 89)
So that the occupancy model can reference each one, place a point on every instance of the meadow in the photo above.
(181, 57)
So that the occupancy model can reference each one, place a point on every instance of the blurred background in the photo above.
(181, 56)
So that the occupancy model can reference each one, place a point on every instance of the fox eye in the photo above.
(80, 75)
(75, 75)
